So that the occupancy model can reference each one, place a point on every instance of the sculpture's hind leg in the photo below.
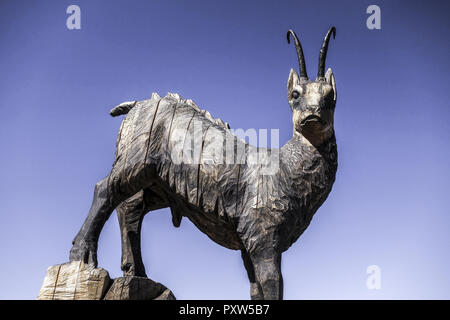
(131, 212)
(108, 194)
(85, 243)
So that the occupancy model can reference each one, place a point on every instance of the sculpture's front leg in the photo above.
(255, 288)
(267, 267)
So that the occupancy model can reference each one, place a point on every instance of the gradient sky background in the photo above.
(389, 205)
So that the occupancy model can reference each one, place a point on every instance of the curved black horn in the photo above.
(301, 58)
(323, 52)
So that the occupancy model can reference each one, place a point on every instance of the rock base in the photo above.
(138, 288)
(74, 281)
(79, 281)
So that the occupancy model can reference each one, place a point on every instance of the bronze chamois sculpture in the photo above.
(236, 204)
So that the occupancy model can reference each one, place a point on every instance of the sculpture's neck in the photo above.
(311, 170)
(308, 174)
(300, 152)
(328, 151)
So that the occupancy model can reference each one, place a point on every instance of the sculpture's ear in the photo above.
(329, 77)
(292, 81)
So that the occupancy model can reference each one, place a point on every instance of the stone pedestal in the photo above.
(138, 288)
(74, 281)
(79, 281)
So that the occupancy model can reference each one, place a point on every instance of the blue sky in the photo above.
(389, 205)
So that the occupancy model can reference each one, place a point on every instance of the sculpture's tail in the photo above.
(122, 108)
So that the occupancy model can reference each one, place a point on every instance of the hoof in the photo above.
(86, 252)
(130, 269)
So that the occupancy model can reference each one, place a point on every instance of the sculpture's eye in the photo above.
(295, 94)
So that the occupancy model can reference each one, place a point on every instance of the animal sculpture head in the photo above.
(312, 101)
